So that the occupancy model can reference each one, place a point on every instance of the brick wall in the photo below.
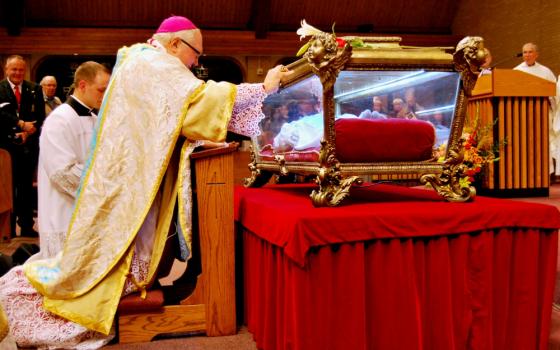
(507, 24)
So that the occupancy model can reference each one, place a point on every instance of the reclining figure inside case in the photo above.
(357, 139)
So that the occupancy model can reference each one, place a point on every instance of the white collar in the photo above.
(80, 102)
(14, 85)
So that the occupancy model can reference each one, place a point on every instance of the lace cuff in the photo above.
(67, 180)
(247, 110)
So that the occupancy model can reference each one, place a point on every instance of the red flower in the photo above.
(341, 42)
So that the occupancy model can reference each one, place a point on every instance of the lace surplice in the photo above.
(33, 326)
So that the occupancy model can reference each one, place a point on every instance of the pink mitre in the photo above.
(175, 24)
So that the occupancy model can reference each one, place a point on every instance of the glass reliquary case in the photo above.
(369, 108)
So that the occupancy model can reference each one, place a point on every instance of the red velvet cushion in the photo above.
(133, 304)
(383, 140)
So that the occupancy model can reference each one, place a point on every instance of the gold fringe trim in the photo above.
(140, 285)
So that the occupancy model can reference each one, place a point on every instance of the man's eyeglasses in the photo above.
(198, 53)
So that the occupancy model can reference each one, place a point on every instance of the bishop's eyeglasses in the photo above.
(198, 53)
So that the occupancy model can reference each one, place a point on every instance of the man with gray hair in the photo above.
(531, 66)
(65, 142)
(154, 113)
(22, 108)
(48, 84)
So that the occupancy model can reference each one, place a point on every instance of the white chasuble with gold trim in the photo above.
(151, 101)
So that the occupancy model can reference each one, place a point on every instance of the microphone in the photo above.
(517, 55)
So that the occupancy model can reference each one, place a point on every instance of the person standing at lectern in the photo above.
(531, 66)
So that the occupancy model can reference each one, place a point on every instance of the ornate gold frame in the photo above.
(326, 60)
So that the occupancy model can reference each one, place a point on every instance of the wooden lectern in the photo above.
(518, 104)
(211, 306)
(216, 284)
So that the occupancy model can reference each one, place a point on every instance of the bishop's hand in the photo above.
(274, 77)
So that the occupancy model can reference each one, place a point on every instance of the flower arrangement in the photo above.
(307, 30)
(479, 151)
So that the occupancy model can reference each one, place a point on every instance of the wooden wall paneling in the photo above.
(527, 21)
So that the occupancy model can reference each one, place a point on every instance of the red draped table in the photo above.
(396, 268)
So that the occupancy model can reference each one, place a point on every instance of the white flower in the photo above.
(306, 30)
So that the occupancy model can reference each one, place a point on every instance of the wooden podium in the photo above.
(518, 104)
(216, 284)
(210, 308)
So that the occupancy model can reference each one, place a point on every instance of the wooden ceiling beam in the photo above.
(102, 41)
(260, 18)
(13, 15)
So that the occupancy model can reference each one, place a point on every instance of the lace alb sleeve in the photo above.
(67, 180)
(247, 110)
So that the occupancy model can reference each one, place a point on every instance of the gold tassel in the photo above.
(140, 285)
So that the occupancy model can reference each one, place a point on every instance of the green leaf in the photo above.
(303, 49)
(357, 43)
(464, 182)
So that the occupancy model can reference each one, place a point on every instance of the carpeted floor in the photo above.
(552, 199)
(243, 340)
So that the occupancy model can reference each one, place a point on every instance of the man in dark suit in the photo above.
(22, 113)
